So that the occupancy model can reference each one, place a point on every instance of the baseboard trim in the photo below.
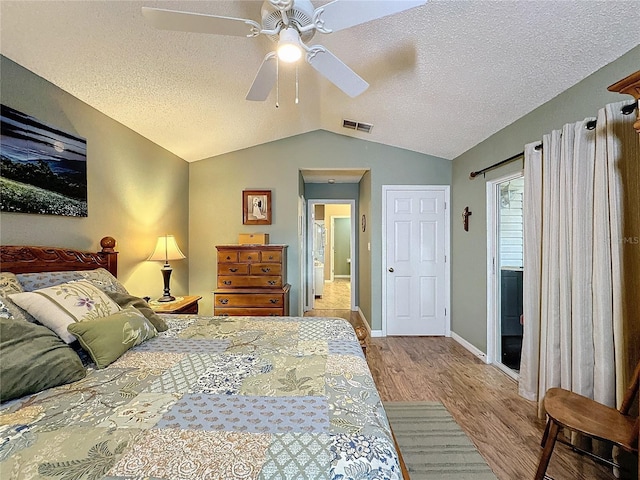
(363, 319)
(472, 348)
(365, 322)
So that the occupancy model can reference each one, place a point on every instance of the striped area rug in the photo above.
(433, 445)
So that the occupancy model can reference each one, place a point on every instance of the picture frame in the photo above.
(256, 207)
(44, 169)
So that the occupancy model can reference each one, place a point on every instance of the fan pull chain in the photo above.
(297, 99)
(277, 82)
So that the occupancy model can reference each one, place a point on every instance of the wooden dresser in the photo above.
(630, 86)
(252, 280)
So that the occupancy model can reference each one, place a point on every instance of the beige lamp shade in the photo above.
(167, 249)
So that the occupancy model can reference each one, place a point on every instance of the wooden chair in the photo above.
(583, 415)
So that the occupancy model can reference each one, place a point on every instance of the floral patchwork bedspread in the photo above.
(211, 398)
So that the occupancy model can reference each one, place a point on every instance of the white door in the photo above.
(415, 275)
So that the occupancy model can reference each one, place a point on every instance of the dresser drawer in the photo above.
(248, 281)
(249, 256)
(265, 269)
(227, 256)
(228, 300)
(233, 269)
(252, 301)
(271, 257)
(249, 312)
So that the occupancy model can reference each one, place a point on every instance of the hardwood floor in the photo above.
(483, 400)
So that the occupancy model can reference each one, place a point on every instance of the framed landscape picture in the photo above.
(43, 170)
(256, 207)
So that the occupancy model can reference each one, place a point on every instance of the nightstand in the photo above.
(185, 304)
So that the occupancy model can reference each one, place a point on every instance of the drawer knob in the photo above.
(266, 269)
(228, 257)
(274, 300)
(272, 282)
(224, 301)
(233, 270)
(227, 282)
(249, 257)
(270, 257)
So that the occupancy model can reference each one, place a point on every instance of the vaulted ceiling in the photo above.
(443, 76)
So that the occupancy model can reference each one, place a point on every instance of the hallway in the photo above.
(336, 295)
(335, 302)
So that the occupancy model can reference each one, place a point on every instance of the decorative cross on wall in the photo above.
(465, 218)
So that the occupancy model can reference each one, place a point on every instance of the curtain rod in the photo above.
(473, 175)
(590, 125)
(625, 110)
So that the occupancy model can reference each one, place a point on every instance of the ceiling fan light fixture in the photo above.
(289, 49)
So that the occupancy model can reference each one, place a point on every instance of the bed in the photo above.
(207, 398)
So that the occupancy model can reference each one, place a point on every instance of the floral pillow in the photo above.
(59, 306)
(9, 283)
(107, 338)
(11, 310)
(100, 277)
(104, 280)
(35, 281)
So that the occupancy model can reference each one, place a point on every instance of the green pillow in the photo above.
(108, 338)
(125, 300)
(34, 358)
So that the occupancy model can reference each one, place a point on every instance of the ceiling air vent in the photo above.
(361, 127)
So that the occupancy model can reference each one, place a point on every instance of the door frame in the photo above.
(302, 239)
(311, 203)
(447, 247)
(493, 281)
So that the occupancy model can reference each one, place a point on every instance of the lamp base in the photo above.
(166, 275)
(166, 298)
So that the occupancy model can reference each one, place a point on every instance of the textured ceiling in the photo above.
(443, 76)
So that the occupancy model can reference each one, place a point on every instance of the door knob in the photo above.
(391, 269)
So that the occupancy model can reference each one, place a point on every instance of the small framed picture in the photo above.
(256, 207)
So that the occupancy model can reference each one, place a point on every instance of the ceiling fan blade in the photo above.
(200, 23)
(265, 79)
(332, 68)
(341, 14)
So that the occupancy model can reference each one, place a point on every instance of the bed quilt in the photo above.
(211, 398)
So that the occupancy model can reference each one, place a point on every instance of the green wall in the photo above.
(136, 189)
(335, 191)
(215, 201)
(365, 282)
(469, 249)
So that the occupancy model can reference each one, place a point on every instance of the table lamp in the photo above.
(166, 249)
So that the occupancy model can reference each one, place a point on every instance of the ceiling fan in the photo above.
(290, 23)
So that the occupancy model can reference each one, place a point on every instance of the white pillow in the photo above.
(59, 306)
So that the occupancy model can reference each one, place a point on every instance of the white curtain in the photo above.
(574, 328)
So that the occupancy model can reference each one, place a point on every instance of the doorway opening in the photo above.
(505, 271)
(330, 260)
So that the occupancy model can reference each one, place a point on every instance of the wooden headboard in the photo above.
(30, 259)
